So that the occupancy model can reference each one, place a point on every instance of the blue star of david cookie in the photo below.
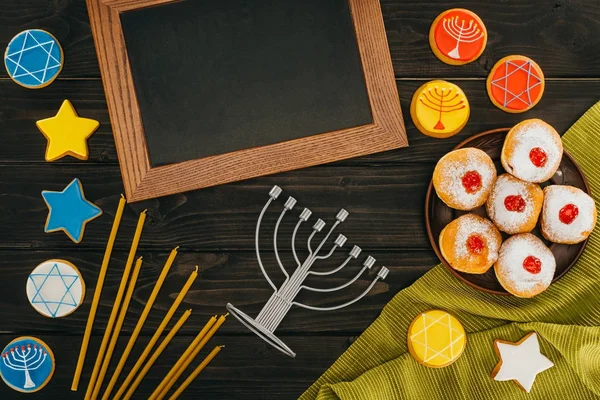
(27, 364)
(55, 288)
(69, 211)
(33, 58)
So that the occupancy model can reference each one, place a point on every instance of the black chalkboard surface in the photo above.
(216, 76)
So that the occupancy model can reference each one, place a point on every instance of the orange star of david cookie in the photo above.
(457, 36)
(436, 339)
(439, 109)
(515, 84)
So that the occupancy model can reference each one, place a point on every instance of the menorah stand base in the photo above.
(260, 330)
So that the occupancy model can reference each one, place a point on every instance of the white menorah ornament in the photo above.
(283, 298)
(469, 34)
(25, 360)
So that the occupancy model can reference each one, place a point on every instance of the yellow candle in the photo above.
(117, 304)
(157, 354)
(196, 372)
(193, 355)
(157, 334)
(98, 291)
(183, 357)
(117, 331)
(140, 323)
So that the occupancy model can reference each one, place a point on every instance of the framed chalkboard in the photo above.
(204, 92)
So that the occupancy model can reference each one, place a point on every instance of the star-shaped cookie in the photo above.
(69, 211)
(520, 361)
(67, 133)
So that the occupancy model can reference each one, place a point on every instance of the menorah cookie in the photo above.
(27, 364)
(439, 109)
(532, 151)
(436, 339)
(457, 36)
(525, 266)
(569, 214)
(463, 179)
(470, 244)
(55, 288)
(515, 84)
(514, 205)
(33, 58)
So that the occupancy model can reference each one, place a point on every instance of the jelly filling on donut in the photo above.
(514, 203)
(538, 157)
(568, 213)
(471, 181)
(532, 264)
(475, 244)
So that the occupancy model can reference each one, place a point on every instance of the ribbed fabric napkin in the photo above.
(566, 317)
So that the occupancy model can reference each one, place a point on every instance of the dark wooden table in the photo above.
(215, 227)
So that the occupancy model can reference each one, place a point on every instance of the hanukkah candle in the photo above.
(283, 298)
(25, 359)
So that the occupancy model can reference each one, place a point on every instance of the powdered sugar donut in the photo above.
(568, 215)
(525, 266)
(514, 205)
(470, 244)
(532, 151)
(464, 178)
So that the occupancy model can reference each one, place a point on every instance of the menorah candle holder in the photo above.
(283, 298)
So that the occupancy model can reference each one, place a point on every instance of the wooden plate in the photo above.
(438, 214)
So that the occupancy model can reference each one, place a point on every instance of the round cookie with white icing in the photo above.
(470, 244)
(457, 36)
(463, 178)
(27, 364)
(525, 266)
(55, 288)
(439, 109)
(514, 205)
(33, 58)
(532, 151)
(568, 215)
(436, 339)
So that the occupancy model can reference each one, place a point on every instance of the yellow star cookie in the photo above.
(67, 133)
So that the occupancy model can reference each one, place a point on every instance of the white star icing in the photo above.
(521, 362)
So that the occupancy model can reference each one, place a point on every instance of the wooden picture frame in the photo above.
(141, 181)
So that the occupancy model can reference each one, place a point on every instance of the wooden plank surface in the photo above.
(215, 227)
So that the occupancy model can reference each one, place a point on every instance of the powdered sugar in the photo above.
(558, 196)
(470, 224)
(535, 133)
(511, 221)
(453, 172)
(509, 268)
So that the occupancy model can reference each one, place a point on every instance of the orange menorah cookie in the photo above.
(515, 84)
(457, 36)
(470, 244)
(439, 109)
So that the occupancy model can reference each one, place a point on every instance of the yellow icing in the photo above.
(67, 133)
(440, 108)
(436, 338)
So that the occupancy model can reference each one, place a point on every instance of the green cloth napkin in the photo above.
(566, 317)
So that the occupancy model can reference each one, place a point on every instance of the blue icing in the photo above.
(27, 364)
(69, 210)
(33, 58)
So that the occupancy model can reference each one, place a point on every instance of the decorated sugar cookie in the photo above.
(33, 58)
(457, 36)
(515, 84)
(439, 109)
(69, 211)
(55, 288)
(67, 133)
(520, 361)
(27, 364)
(436, 339)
